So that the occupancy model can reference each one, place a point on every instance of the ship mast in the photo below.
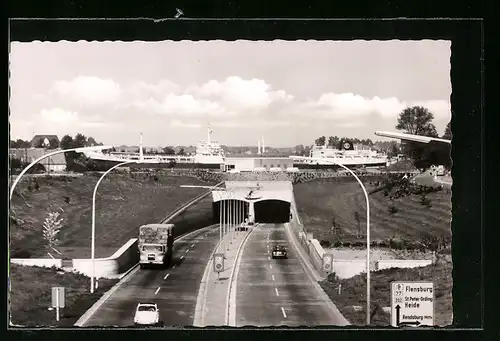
(209, 133)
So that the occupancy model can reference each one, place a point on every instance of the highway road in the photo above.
(174, 289)
(273, 292)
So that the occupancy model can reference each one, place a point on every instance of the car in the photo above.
(147, 314)
(279, 252)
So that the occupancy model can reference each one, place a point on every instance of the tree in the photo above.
(417, 121)
(53, 144)
(333, 141)
(15, 163)
(181, 152)
(66, 142)
(320, 141)
(79, 141)
(169, 151)
(51, 228)
(447, 132)
(358, 222)
(91, 142)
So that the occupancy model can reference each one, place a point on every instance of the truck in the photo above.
(155, 245)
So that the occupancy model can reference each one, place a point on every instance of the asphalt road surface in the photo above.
(274, 292)
(174, 289)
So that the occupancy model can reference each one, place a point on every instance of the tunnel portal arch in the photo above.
(272, 211)
(239, 206)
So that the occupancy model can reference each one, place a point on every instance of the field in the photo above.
(353, 293)
(344, 201)
(31, 286)
(123, 204)
(31, 293)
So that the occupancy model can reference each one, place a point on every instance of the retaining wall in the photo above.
(48, 263)
(396, 263)
(349, 268)
(113, 266)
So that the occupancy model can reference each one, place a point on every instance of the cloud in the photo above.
(89, 90)
(59, 116)
(180, 124)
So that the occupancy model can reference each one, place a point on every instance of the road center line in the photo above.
(268, 257)
(283, 311)
(187, 250)
(166, 276)
(271, 276)
(182, 257)
(173, 266)
(192, 245)
(270, 266)
(157, 290)
(277, 293)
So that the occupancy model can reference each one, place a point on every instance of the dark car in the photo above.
(279, 252)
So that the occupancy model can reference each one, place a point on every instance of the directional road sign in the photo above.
(327, 262)
(412, 304)
(219, 262)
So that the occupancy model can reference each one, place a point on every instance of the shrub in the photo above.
(386, 193)
(325, 243)
(30, 188)
(392, 209)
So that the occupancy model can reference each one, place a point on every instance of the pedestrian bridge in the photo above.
(266, 201)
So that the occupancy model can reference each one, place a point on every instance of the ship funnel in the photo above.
(141, 154)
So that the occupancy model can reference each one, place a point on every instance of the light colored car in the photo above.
(279, 252)
(147, 314)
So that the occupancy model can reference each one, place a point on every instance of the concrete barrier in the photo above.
(113, 266)
(47, 263)
(349, 268)
(397, 263)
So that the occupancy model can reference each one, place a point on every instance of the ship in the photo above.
(326, 157)
(208, 154)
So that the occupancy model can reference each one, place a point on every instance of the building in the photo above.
(249, 164)
(52, 164)
(43, 140)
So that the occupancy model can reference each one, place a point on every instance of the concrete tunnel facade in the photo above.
(265, 206)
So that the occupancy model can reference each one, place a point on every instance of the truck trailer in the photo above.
(155, 245)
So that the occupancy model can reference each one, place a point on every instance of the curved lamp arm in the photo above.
(80, 149)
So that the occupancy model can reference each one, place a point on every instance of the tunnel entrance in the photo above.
(272, 211)
(238, 209)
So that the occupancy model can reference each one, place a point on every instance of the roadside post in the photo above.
(218, 263)
(57, 299)
(412, 304)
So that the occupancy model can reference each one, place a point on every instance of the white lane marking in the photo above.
(270, 266)
(187, 251)
(271, 276)
(192, 245)
(283, 311)
(166, 276)
(157, 290)
(173, 266)
(277, 293)
(268, 257)
(182, 257)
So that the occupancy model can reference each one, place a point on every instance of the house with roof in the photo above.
(43, 140)
(52, 164)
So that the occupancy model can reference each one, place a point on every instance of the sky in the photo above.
(289, 92)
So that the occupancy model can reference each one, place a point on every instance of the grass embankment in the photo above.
(344, 200)
(353, 293)
(31, 295)
(123, 203)
(31, 286)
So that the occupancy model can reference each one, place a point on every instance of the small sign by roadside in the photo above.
(327, 262)
(58, 299)
(219, 262)
(412, 304)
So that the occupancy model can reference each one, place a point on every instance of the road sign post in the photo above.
(327, 262)
(57, 299)
(218, 263)
(412, 304)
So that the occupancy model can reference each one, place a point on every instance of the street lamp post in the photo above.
(92, 278)
(80, 149)
(367, 239)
